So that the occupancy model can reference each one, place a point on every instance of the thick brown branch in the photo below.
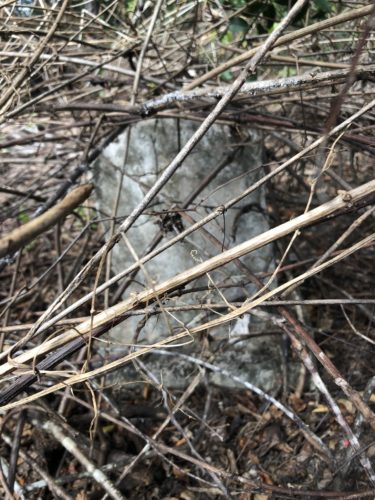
(26, 233)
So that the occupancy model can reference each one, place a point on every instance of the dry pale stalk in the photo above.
(245, 308)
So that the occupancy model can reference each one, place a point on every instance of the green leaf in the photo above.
(235, 4)
(23, 217)
(227, 38)
(226, 76)
(323, 5)
(238, 25)
(287, 71)
(252, 78)
(131, 5)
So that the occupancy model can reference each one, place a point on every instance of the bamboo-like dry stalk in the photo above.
(246, 307)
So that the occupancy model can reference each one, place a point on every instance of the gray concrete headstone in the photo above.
(153, 144)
